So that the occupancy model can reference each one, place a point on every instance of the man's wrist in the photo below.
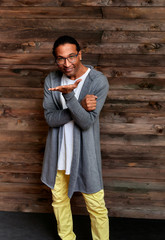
(68, 96)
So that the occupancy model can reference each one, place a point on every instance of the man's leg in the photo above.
(61, 207)
(98, 214)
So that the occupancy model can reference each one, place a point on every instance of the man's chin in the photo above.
(69, 73)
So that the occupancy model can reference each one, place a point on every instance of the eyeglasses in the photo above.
(71, 59)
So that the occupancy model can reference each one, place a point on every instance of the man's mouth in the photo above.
(68, 70)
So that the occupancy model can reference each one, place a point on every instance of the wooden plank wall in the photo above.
(126, 41)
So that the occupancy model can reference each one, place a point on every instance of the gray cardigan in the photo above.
(86, 173)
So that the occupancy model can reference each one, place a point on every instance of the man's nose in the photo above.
(67, 63)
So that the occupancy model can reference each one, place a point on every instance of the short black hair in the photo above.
(63, 40)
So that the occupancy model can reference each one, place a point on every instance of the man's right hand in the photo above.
(89, 102)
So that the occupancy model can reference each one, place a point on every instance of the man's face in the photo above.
(68, 68)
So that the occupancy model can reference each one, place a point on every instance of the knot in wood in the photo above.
(155, 105)
(159, 128)
(154, 27)
(152, 46)
(106, 2)
(149, 1)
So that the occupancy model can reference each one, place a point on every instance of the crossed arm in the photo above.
(88, 103)
(84, 113)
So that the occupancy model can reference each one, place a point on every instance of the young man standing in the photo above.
(73, 98)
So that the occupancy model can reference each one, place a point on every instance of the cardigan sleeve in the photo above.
(81, 117)
(55, 117)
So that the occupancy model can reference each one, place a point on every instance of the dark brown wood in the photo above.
(52, 3)
(131, 128)
(123, 39)
(41, 59)
(19, 168)
(133, 37)
(118, 3)
(138, 140)
(29, 38)
(125, 48)
(20, 157)
(6, 92)
(107, 48)
(94, 3)
(75, 25)
(130, 151)
(137, 83)
(26, 147)
(122, 108)
(136, 95)
(23, 124)
(26, 136)
(32, 178)
(50, 13)
(134, 72)
(131, 60)
(133, 12)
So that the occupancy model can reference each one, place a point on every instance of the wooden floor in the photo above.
(32, 226)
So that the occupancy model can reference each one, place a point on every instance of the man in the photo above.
(73, 98)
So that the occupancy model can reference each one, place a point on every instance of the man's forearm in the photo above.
(57, 118)
(83, 118)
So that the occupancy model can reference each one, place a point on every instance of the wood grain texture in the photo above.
(133, 12)
(94, 3)
(81, 25)
(50, 13)
(133, 37)
(126, 41)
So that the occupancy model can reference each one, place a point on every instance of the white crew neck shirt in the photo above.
(66, 150)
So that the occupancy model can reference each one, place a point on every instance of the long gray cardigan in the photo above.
(86, 170)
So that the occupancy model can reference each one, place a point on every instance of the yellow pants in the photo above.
(95, 205)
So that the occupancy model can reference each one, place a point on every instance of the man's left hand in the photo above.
(66, 88)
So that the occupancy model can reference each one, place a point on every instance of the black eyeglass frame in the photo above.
(56, 60)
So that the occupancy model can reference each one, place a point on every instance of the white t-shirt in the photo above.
(66, 150)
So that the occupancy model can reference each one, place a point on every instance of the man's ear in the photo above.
(80, 54)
